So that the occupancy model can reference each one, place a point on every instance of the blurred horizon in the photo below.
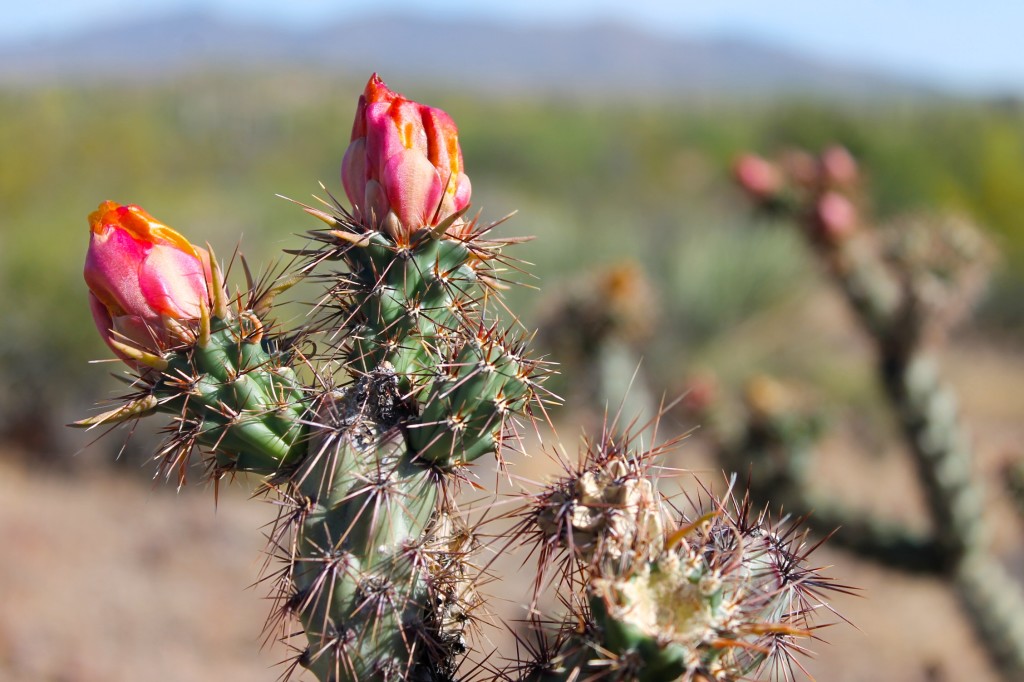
(966, 50)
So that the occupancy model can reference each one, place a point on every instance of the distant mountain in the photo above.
(591, 60)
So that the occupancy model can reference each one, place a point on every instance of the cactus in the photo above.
(597, 326)
(360, 426)
(716, 592)
(907, 285)
(371, 513)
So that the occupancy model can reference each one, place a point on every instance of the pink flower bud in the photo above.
(836, 216)
(757, 176)
(145, 280)
(403, 168)
(838, 166)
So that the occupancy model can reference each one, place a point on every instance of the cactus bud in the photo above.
(835, 216)
(146, 281)
(758, 177)
(403, 169)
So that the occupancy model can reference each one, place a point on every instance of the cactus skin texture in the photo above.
(236, 397)
(360, 571)
(719, 595)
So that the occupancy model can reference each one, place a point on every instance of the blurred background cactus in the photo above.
(615, 144)
(907, 283)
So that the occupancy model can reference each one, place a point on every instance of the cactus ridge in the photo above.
(356, 542)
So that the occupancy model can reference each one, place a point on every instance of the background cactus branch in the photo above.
(906, 289)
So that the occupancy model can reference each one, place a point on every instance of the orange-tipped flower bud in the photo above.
(146, 281)
(403, 169)
(757, 176)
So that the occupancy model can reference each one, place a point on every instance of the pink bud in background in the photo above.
(838, 167)
(403, 169)
(757, 176)
(144, 279)
(835, 215)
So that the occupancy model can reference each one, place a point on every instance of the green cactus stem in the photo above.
(360, 578)
(419, 308)
(776, 445)
(236, 397)
(374, 565)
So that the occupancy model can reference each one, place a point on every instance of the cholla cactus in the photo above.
(416, 382)
(716, 592)
(371, 570)
(412, 376)
(907, 283)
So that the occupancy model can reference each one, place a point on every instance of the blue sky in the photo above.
(972, 45)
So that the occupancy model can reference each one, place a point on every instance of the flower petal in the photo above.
(101, 316)
(173, 282)
(413, 187)
(353, 172)
(375, 204)
(112, 270)
(463, 190)
(442, 143)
